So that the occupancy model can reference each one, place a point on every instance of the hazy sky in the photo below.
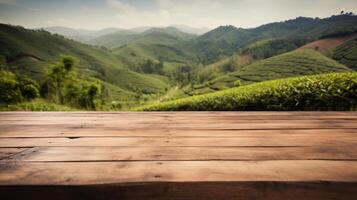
(97, 14)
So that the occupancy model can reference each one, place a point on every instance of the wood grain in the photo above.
(178, 155)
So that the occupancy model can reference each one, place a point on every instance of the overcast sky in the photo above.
(97, 14)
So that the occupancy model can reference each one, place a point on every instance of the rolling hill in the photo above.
(33, 53)
(296, 63)
(347, 54)
(153, 64)
(169, 35)
(157, 45)
(226, 40)
(114, 40)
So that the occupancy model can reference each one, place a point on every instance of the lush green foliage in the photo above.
(263, 49)
(15, 89)
(35, 105)
(336, 91)
(295, 63)
(33, 52)
(63, 86)
(161, 63)
(347, 54)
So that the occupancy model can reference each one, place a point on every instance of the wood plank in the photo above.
(165, 155)
(287, 140)
(77, 173)
(58, 131)
(186, 113)
(98, 154)
(203, 125)
(8, 152)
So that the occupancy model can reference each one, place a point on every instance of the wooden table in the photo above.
(191, 155)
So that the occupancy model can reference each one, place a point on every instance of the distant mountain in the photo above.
(169, 35)
(67, 31)
(81, 35)
(171, 31)
(191, 30)
(226, 40)
(140, 29)
(97, 36)
(114, 40)
(183, 28)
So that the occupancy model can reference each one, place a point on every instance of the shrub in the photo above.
(14, 89)
(29, 92)
(68, 62)
(9, 91)
(29, 88)
(237, 83)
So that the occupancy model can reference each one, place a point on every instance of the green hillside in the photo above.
(33, 52)
(295, 63)
(347, 54)
(267, 48)
(226, 40)
(157, 45)
(336, 91)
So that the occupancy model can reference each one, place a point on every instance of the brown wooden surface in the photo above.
(193, 155)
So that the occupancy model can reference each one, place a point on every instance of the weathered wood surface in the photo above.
(164, 155)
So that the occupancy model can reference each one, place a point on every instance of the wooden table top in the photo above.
(179, 155)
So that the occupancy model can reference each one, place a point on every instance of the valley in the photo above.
(125, 69)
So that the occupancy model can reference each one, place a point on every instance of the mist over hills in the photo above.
(84, 35)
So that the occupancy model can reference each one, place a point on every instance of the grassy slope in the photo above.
(327, 46)
(33, 52)
(336, 91)
(295, 63)
(257, 50)
(347, 54)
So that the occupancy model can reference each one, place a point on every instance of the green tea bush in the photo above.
(334, 91)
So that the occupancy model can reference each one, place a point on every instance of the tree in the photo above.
(68, 62)
(9, 91)
(93, 93)
(54, 87)
(64, 86)
(29, 88)
(14, 88)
